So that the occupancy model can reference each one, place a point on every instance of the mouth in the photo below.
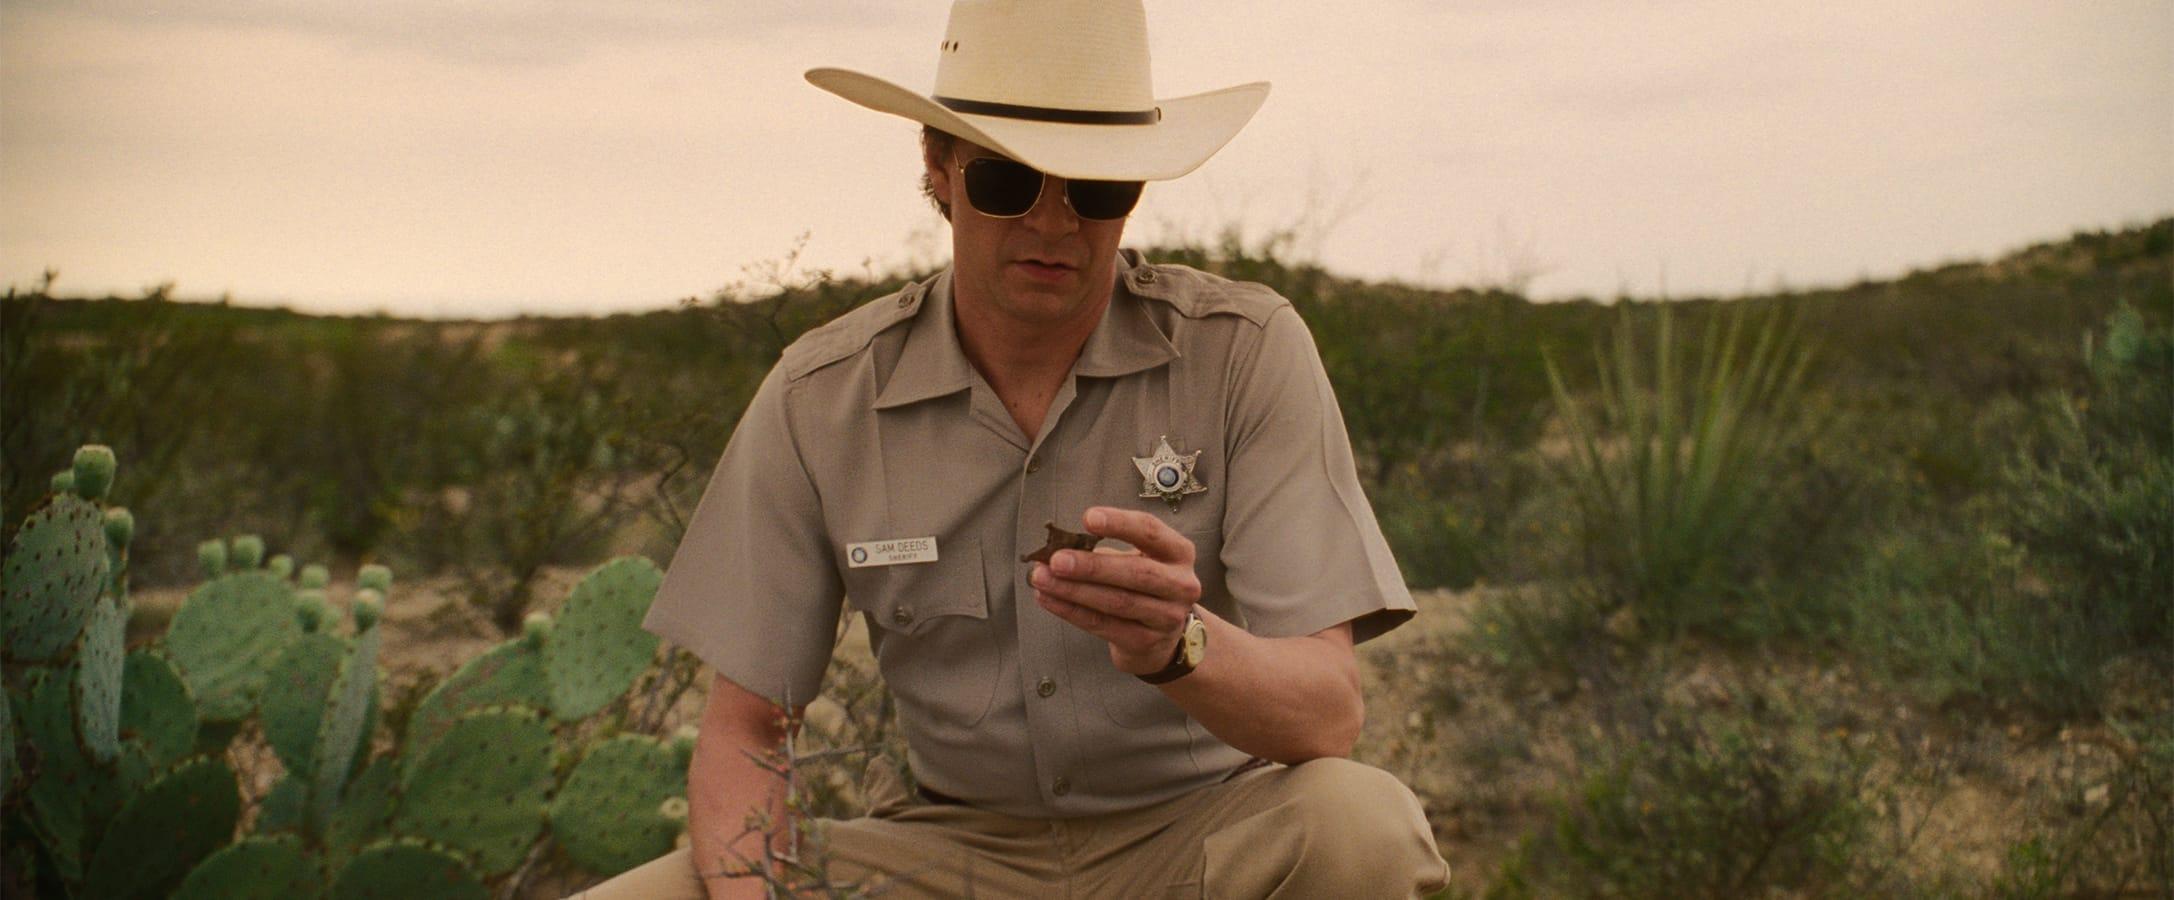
(1043, 268)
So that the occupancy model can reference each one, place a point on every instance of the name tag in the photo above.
(896, 551)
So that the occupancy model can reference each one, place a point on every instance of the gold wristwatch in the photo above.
(1192, 648)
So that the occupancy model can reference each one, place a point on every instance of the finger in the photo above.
(1141, 529)
(1123, 633)
(1154, 613)
(1131, 572)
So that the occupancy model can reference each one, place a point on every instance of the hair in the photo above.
(935, 144)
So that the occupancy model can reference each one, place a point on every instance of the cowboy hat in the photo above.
(1061, 85)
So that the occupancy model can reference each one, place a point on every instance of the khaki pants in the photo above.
(1330, 828)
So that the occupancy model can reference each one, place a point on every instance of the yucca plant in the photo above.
(1673, 477)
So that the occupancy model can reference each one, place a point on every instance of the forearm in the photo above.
(735, 803)
(1283, 699)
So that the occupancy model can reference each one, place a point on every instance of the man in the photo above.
(1167, 714)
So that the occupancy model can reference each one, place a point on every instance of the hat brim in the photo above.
(1192, 128)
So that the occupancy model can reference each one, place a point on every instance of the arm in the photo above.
(1282, 699)
(726, 788)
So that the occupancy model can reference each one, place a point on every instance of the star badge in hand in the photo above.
(1168, 474)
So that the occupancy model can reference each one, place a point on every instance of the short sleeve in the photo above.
(1301, 548)
(752, 589)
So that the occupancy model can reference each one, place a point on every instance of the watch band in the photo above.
(1179, 666)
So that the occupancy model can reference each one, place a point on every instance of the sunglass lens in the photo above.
(1103, 199)
(1001, 187)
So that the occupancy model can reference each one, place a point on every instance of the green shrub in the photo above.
(1677, 478)
(1702, 804)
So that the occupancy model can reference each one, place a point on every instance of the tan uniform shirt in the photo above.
(875, 428)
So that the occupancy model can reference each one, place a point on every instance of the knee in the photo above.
(1360, 819)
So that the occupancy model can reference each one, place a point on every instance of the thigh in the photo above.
(1329, 827)
(938, 850)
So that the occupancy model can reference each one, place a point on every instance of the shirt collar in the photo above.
(931, 364)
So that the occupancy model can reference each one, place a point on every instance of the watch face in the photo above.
(1196, 641)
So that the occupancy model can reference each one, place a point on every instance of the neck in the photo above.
(1024, 360)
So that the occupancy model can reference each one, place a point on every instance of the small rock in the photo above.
(2096, 795)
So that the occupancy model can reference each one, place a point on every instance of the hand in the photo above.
(1135, 600)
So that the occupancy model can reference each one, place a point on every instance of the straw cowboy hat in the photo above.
(1063, 86)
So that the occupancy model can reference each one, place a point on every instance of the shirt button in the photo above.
(902, 616)
(1062, 786)
(1047, 687)
(1147, 276)
(1034, 464)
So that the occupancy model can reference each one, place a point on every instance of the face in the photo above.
(1047, 267)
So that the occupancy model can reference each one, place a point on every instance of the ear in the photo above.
(936, 165)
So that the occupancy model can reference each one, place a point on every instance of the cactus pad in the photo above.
(597, 647)
(481, 787)
(156, 708)
(375, 577)
(211, 558)
(248, 551)
(7, 748)
(343, 734)
(609, 815)
(120, 527)
(55, 571)
(165, 830)
(366, 813)
(294, 698)
(101, 658)
(55, 795)
(94, 465)
(63, 482)
(284, 806)
(313, 576)
(406, 869)
(226, 635)
(257, 868)
(510, 673)
(368, 605)
(280, 566)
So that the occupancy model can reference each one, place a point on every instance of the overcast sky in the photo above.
(482, 158)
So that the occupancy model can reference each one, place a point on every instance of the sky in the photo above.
(489, 157)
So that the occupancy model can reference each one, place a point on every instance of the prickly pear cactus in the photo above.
(93, 469)
(375, 577)
(281, 565)
(284, 806)
(56, 791)
(256, 868)
(7, 748)
(598, 648)
(211, 558)
(248, 551)
(295, 692)
(56, 568)
(101, 656)
(345, 728)
(226, 635)
(406, 869)
(163, 832)
(156, 707)
(313, 575)
(366, 813)
(482, 787)
(612, 814)
(509, 674)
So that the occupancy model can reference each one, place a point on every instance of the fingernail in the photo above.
(1063, 563)
(1097, 518)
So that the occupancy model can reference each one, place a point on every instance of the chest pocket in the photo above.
(931, 634)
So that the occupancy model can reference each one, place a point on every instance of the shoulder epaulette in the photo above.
(1197, 294)
(848, 334)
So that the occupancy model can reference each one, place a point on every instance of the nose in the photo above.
(1052, 213)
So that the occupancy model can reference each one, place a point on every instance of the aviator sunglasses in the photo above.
(1004, 189)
